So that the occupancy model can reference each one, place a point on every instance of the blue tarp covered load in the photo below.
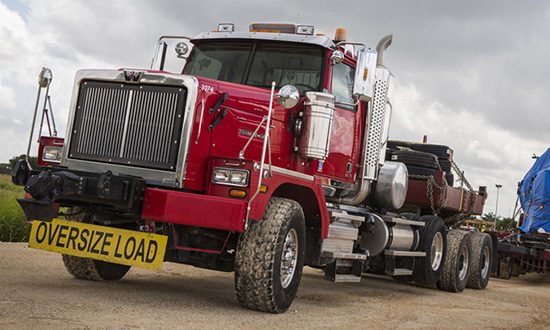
(535, 195)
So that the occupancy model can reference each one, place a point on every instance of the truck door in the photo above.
(345, 139)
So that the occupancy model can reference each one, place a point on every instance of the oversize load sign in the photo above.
(119, 246)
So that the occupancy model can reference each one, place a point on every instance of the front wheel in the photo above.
(94, 270)
(87, 268)
(270, 258)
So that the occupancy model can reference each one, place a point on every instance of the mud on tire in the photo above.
(266, 278)
(482, 257)
(456, 268)
(87, 268)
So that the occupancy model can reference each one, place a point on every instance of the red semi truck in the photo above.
(264, 152)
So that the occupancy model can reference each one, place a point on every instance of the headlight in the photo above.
(229, 176)
(52, 154)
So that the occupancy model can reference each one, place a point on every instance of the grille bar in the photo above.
(136, 125)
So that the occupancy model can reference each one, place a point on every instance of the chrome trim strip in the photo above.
(200, 122)
(322, 41)
(295, 174)
(125, 130)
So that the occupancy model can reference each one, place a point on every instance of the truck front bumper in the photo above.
(194, 210)
(118, 194)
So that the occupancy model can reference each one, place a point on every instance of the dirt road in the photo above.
(37, 292)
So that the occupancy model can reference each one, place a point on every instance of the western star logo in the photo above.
(98, 242)
(132, 75)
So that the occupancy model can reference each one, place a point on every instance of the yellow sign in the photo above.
(126, 247)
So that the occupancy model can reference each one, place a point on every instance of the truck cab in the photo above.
(262, 151)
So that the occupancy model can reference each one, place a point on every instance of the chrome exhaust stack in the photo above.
(376, 129)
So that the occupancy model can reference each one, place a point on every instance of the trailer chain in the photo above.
(429, 191)
(457, 219)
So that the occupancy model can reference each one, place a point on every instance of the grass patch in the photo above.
(13, 223)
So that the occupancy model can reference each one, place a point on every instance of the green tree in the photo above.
(506, 224)
(490, 217)
(32, 160)
(5, 168)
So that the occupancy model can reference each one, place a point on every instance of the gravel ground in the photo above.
(37, 292)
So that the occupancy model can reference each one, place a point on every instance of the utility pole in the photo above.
(496, 208)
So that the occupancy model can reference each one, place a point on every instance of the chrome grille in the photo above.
(137, 125)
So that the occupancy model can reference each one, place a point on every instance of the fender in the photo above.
(307, 190)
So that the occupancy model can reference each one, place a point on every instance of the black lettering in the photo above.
(61, 235)
(41, 225)
(126, 254)
(118, 255)
(73, 234)
(140, 250)
(52, 233)
(100, 234)
(106, 243)
(83, 239)
(151, 244)
(91, 240)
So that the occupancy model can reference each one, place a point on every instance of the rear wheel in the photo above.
(482, 257)
(505, 268)
(516, 267)
(456, 268)
(87, 268)
(270, 258)
(427, 270)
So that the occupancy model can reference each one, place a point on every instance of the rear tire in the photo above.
(87, 268)
(505, 268)
(482, 257)
(456, 269)
(427, 270)
(270, 258)
(516, 271)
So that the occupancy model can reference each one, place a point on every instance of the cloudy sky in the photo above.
(473, 75)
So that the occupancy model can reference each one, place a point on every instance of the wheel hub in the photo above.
(486, 257)
(463, 263)
(289, 258)
(436, 254)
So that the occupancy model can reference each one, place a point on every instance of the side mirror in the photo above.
(363, 86)
(45, 77)
(288, 96)
(337, 57)
(181, 49)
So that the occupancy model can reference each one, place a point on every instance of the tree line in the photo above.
(7, 168)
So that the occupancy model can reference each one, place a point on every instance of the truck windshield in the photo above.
(258, 63)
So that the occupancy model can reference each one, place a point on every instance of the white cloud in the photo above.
(473, 80)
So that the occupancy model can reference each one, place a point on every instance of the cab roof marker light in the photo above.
(226, 27)
(305, 29)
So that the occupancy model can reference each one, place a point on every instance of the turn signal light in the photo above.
(238, 193)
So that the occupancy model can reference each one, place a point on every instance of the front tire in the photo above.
(87, 268)
(94, 270)
(270, 258)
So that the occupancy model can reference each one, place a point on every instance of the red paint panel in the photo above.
(193, 209)
(456, 200)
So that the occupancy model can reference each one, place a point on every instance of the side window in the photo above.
(342, 83)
